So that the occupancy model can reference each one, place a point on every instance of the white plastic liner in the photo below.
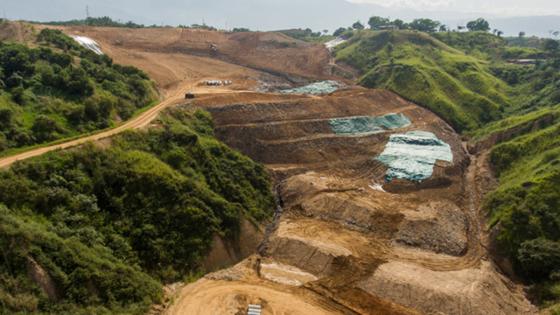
(335, 42)
(88, 43)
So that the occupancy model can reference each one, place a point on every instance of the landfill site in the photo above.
(378, 198)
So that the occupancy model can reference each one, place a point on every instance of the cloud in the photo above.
(495, 7)
(421, 5)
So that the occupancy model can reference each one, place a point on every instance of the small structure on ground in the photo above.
(254, 309)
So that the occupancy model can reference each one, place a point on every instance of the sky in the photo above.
(503, 8)
(509, 16)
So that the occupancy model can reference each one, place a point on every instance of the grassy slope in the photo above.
(109, 225)
(458, 87)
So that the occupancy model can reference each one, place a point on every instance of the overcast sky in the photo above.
(494, 7)
(283, 14)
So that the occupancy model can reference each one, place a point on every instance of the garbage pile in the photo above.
(413, 155)
(368, 124)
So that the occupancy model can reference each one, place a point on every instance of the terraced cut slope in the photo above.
(358, 244)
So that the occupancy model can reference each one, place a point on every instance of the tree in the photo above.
(443, 28)
(551, 45)
(479, 24)
(556, 33)
(44, 127)
(425, 25)
(339, 31)
(500, 33)
(358, 26)
(399, 24)
(521, 34)
(6, 117)
(376, 22)
(539, 257)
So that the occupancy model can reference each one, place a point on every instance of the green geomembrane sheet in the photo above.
(368, 124)
(413, 155)
(317, 88)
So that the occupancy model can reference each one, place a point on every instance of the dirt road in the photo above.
(142, 120)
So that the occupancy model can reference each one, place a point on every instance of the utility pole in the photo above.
(87, 14)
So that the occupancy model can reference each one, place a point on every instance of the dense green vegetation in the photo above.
(307, 35)
(526, 205)
(103, 21)
(57, 89)
(109, 225)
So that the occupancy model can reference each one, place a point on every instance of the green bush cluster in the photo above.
(60, 89)
(108, 225)
(103, 21)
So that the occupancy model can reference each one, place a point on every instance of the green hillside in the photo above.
(110, 225)
(458, 87)
(54, 88)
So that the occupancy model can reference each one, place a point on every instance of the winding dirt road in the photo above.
(142, 120)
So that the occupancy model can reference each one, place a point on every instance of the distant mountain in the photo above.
(256, 14)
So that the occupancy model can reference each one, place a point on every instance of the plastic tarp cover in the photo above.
(335, 42)
(413, 155)
(317, 88)
(88, 43)
(368, 124)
